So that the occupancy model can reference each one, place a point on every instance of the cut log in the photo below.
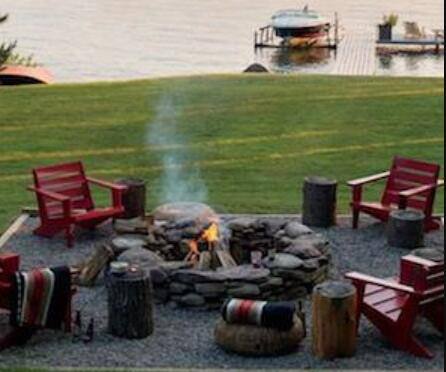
(405, 229)
(93, 266)
(225, 258)
(334, 320)
(134, 199)
(319, 206)
(204, 263)
(258, 341)
(130, 305)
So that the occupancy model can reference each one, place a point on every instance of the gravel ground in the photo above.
(184, 338)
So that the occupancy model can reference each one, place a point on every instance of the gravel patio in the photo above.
(184, 338)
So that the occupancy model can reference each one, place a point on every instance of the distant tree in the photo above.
(7, 55)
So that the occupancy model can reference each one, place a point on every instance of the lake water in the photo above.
(83, 40)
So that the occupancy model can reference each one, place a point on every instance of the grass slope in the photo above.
(253, 139)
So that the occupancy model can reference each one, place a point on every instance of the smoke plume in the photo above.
(178, 183)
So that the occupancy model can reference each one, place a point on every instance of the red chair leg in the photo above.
(416, 348)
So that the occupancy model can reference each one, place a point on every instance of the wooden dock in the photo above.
(401, 43)
(357, 56)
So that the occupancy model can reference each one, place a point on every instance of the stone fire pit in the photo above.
(295, 258)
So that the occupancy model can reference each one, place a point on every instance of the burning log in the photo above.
(206, 252)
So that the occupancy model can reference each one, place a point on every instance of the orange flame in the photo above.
(211, 234)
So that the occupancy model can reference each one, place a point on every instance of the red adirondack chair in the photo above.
(393, 305)
(410, 184)
(65, 201)
(9, 264)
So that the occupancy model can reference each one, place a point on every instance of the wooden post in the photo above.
(334, 320)
(336, 30)
(319, 206)
(134, 199)
(405, 229)
(130, 302)
(256, 43)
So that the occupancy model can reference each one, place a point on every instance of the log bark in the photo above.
(319, 205)
(134, 199)
(130, 305)
(258, 341)
(405, 229)
(334, 320)
(93, 266)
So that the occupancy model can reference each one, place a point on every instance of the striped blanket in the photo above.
(278, 315)
(40, 298)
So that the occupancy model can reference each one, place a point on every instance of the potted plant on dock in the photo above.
(16, 69)
(386, 28)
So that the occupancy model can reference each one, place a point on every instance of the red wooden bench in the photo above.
(394, 304)
(9, 264)
(65, 201)
(410, 184)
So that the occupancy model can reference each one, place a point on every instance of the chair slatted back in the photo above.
(423, 275)
(407, 174)
(65, 179)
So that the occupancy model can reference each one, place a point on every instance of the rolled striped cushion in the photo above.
(40, 298)
(278, 315)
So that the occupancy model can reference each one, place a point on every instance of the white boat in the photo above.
(303, 23)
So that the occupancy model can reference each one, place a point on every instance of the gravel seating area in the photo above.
(184, 338)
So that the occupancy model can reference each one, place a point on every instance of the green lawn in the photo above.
(252, 138)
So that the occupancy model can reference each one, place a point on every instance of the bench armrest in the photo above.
(370, 179)
(367, 279)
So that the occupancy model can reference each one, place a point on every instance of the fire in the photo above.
(209, 236)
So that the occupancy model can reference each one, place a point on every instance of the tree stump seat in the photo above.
(251, 340)
(130, 305)
(334, 320)
(134, 199)
(405, 229)
(320, 199)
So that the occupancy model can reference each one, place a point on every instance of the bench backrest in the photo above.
(65, 179)
(423, 275)
(408, 174)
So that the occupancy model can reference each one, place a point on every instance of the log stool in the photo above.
(319, 206)
(134, 199)
(334, 320)
(130, 305)
(405, 229)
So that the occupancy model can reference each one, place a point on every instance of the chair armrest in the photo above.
(370, 179)
(49, 194)
(65, 200)
(367, 279)
(107, 185)
(117, 190)
(420, 190)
